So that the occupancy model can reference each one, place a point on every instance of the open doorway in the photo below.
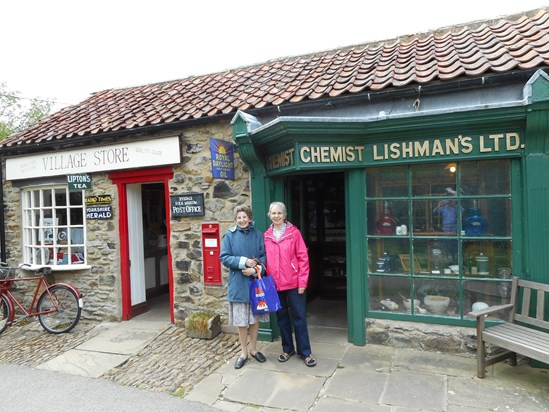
(148, 250)
(317, 207)
(145, 256)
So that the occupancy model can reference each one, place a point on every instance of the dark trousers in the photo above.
(293, 313)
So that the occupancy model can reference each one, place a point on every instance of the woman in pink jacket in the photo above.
(288, 262)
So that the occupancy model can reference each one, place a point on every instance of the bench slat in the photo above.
(531, 321)
(533, 285)
(531, 343)
(541, 305)
(526, 339)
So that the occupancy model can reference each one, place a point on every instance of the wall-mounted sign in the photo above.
(99, 212)
(98, 200)
(188, 204)
(98, 207)
(79, 182)
(303, 156)
(222, 159)
(136, 154)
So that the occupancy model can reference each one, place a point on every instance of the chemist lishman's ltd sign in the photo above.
(188, 204)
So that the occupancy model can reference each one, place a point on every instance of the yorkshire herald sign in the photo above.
(129, 155)
(305, 155)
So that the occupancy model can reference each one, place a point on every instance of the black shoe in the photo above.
(259, 357)
(240, 362)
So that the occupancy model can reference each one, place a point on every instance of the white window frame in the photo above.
(47, 241)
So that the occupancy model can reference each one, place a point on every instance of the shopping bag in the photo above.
(263, 295)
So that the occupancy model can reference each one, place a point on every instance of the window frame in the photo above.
(513, 237)
(44, 243)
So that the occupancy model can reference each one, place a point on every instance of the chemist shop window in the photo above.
(54, 226)
(439, 237)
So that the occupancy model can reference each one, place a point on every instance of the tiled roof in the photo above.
(518, 43)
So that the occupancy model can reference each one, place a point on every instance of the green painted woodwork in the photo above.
(357, 288)
(529, 178)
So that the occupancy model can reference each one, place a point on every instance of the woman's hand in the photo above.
(248, 271)
(250, 263)
(301, 291)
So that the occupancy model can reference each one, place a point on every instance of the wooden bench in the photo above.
(516, 335)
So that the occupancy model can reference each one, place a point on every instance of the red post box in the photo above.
(210, 253)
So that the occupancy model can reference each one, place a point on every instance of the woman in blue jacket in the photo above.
(242, 249)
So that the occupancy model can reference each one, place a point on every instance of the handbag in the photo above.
(263, 294)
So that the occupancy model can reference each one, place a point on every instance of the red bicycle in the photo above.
(58, 306)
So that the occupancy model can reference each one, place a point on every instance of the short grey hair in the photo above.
(281, 205)
(245, 209)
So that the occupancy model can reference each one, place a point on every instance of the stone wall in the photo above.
(101, 285)
(220, 198)
(422, 336)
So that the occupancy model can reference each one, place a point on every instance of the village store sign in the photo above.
(129, 155)
(303, 155)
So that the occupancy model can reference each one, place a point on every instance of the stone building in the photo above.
(415, 168)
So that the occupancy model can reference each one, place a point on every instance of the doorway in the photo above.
(317, 207)
(144, 226)
(148, 250)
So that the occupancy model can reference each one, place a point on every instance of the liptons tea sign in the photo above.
(310, 155)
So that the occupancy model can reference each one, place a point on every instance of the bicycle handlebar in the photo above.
(44, 270)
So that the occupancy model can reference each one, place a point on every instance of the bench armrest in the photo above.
(491, 309)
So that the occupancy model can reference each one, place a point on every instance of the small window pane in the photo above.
(436, 256)
(432, 179)
(47, 199)
(438, 297)
(490, 216)
(387, 293)
(490, 293)
(387, 181)
(387, 215)
(75, 198)
(61, 216)
(435, 217)
(487, 259)
(487, 177)
(35, 196)
(60, 197)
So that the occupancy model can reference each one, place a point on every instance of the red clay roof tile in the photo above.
(479, 49)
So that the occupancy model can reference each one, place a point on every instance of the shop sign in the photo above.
(98, 207)
(222, 153)
(187, 204)
(136, 154)
(79, 182)
(353, 155)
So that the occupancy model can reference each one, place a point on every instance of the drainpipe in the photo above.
(2, 221)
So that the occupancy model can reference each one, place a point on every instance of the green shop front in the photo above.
(417, 217)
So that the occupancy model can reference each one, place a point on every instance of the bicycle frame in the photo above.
(5, 286)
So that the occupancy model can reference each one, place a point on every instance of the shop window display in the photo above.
(439, 237)
(53, 227)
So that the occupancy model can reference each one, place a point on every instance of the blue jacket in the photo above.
(239, 245)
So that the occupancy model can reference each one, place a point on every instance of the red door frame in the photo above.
(121, 179)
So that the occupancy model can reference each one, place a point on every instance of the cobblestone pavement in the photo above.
(173, 362)
(26, 343)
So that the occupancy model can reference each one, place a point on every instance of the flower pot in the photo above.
(203, 325)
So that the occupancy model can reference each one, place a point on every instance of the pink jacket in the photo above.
(287, 258)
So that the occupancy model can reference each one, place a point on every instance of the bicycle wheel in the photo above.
(62, 309)
(5, 313)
